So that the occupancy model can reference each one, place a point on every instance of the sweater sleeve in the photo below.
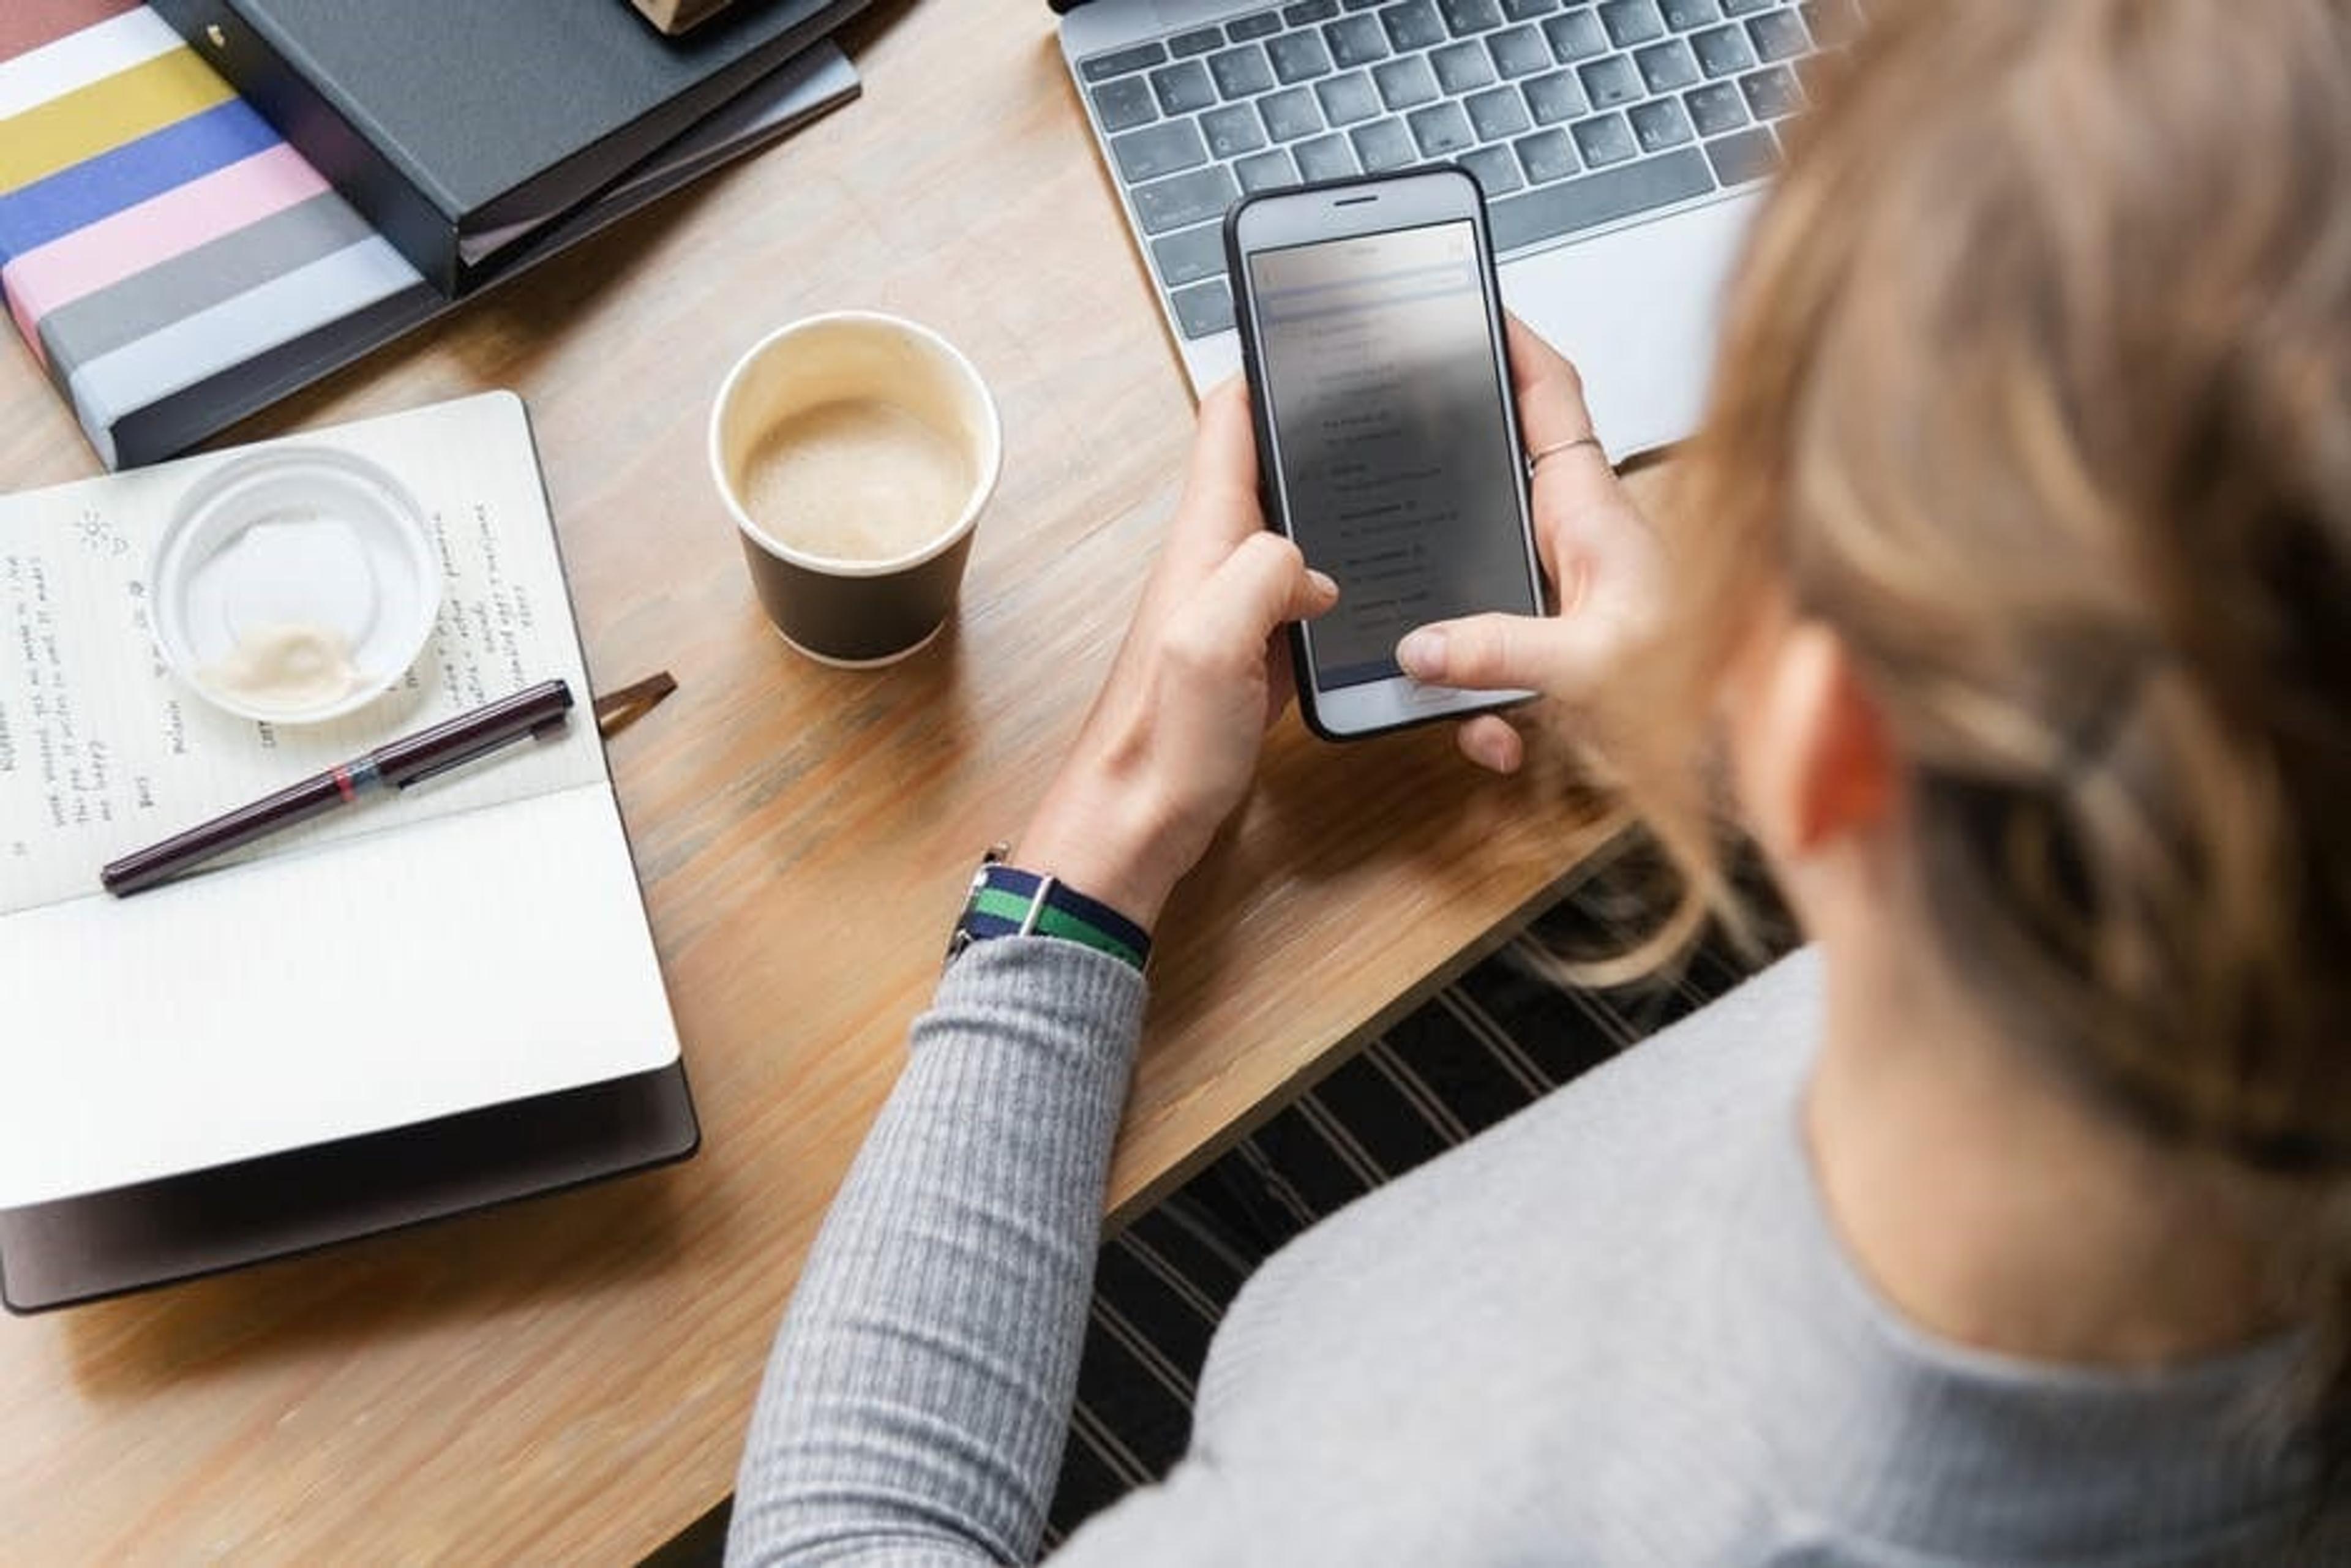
(915, 1402)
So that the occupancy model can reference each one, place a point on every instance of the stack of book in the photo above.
(205, 204)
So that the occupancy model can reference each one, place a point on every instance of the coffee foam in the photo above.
(857, 479)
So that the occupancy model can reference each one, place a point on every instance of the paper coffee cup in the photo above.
(854, 451)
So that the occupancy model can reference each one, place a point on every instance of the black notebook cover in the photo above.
(158, 1233)
(452, 123)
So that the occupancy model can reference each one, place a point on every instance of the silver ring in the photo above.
(1535, 459)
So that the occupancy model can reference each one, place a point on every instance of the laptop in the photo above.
(1622, 146)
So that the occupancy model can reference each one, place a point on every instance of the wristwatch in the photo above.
(1009, 902)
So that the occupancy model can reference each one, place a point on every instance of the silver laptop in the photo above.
(1621, 145)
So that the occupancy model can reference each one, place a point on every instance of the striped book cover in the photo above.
(174, 266)
(171, 263)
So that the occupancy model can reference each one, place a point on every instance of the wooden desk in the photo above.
(568, 1380)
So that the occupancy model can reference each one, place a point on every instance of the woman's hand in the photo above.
(1602, 560)
(1171, 743)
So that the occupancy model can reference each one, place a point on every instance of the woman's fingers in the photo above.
(1549, 393)
(1220, 507)
(1488, 741)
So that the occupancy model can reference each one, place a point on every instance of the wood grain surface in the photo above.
(568, 1379)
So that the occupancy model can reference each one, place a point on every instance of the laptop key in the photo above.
(1347, 99)
(1528, 10)
(1326, 158)
(1290, 114)
(1716, 108)
(1403, 83)
(1772, 92)
(1463, 17)
(1606, 139)
(1749, 155)
(1413, 25)
(1183, 87)
(1205, 309)
(1556, 97)
(1190, 255)
(1263, 171)
(1518, 52)
(1746, 8)
(1546, 155)
(1722, 51)
(1383, 144)
(1306, 13)
(1258, 25)
(1461, 67)
(1577, 35)
(1570, 205)
(1832, 22)
(1182, 199)
(1125, 102)
(1241, 72)
(1668, 66)
(1682, 15)
(1656, 125)
(1632, 22)
(1442, 130)
(1158, 150)
(1356, 40)
(1611, 82)
(1496, 171)
(1199, 41)
(1299, 56)
(1101, 68)
(1498, 114)
(1778, 35)
(1232, 130)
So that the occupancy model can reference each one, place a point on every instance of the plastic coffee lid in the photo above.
(295, 585)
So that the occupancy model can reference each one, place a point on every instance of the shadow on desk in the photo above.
(473, 1267)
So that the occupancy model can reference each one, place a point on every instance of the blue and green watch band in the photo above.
(1009, 902)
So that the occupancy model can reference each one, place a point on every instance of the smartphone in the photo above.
(1387, 443)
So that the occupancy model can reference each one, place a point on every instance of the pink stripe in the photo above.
(137, 238)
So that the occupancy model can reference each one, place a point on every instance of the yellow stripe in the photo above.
(107, 113)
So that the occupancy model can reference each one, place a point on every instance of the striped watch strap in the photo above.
(1009, 902)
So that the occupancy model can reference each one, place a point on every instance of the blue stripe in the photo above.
(102, 186)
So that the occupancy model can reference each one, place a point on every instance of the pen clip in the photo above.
(539, 731)
(615, 711)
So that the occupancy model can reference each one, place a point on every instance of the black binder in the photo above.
(458, 127)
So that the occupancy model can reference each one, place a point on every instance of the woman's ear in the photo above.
(1813, 760)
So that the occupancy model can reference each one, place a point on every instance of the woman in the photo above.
(2004, 1224)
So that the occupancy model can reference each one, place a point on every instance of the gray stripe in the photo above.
(1435, 1114)
(1108, 1447)
(1144, 1350)
(1481, 1027)
(217, 270)
(1275, 1183)
(1172, 1279)
(1341, 1140)
(1177, 1207)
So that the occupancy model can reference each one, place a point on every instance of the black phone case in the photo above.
(1270, 494)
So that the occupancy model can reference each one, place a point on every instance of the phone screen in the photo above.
(1397, 456)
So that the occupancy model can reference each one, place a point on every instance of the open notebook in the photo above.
(476, 942)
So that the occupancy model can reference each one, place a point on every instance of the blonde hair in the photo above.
(2036, 388)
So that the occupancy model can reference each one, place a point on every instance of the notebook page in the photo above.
(104, 750)
(469, 960)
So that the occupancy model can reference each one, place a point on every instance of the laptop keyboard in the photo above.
(1570, 113)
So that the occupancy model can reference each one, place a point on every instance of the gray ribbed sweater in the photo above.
(1616, 1329)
